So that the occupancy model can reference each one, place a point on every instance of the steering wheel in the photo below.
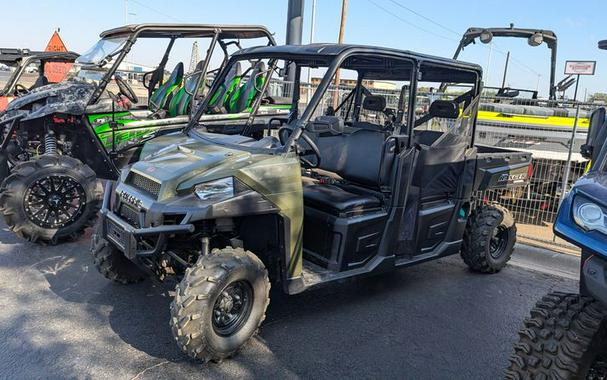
(283, 136)
(21, 89)
(125, 89)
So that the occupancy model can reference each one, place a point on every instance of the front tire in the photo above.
(50, 198)
(220, 304)
(489, 239)
(111, 263)
(565, 338)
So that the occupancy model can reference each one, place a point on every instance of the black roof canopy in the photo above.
(375, 62)
(10, 55)
(188, 31)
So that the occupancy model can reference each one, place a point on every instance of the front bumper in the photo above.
(127, 238)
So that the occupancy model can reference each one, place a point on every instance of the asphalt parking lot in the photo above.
(60, 319)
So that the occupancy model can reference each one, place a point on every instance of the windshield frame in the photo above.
(14, 76)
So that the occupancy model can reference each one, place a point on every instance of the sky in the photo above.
(431, 27)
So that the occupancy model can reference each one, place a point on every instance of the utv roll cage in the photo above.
(535, 37)
(21, 58)
(217, 33)
(334, 57)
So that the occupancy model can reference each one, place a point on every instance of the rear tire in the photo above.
(220, 304)
(488, 239)
(565, 338)
(111, 263)
(50, 198)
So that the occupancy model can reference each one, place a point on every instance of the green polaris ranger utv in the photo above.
(350, 184)
(57, 140)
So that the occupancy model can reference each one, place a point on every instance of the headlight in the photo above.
(589, 215)
(215, 190)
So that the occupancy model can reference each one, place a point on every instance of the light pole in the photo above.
(340, 40)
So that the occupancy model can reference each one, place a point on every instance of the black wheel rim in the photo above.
(54, 201)
(232, 308)
(498, 242)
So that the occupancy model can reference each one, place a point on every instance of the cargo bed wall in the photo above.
(500, 168)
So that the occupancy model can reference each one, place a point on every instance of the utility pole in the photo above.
(312, 30)
(340, 40)
(506, 70)
(295, 14)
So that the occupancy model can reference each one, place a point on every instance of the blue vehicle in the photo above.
(566, 335)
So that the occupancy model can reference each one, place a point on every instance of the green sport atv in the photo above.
(59, 139)
(366, 187)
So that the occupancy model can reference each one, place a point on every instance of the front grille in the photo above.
(129, 215)
(144, 184)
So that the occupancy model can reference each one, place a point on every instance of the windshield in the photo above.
(103, 48)
(95, 62)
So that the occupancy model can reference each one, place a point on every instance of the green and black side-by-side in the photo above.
(319, 196)
(57, 140)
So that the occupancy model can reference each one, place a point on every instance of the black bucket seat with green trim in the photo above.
(243, 97)
(230, 84)
(161, 97)
(180, 102)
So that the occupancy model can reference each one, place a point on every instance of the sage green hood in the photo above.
(178, 163)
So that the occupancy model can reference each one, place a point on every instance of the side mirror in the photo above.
(147, 78)
(446, 109)
(597, 133)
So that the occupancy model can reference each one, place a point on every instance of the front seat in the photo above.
(338, 201)
(161, 97)
(180, 102)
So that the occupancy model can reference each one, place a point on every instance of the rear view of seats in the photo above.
(233, 96)
(162, 96)
(181, 100)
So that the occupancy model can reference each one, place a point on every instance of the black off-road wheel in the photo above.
(488, 239)
(50, 199)
(220, 304)
(111, 263)
(564, 338)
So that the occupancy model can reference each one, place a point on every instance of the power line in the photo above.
(156, 11)
(514, 60)
(409, 22)
(425, 17)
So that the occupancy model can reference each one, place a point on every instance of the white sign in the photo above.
(580, 67)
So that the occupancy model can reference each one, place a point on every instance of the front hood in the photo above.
(183, 162)
(67, 97)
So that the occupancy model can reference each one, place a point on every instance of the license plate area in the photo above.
(118, 236)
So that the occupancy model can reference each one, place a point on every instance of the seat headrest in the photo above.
(176, 75)
(374, 103)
